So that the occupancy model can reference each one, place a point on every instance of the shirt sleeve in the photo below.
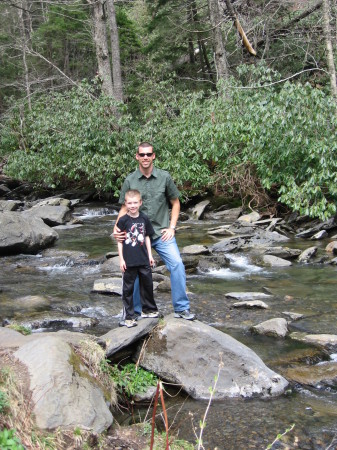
(121, 223)
(172, 191)
(125, 188)
(148, 226)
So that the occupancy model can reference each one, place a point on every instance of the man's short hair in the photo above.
(145, 144)
(133, 193)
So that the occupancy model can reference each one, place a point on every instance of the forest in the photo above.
(237, 97)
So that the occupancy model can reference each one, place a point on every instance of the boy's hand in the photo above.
(122, 265)
(118, 234)
(152, 261)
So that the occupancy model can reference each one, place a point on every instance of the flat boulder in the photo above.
(51, 215)
(20, 234)
(190, 354)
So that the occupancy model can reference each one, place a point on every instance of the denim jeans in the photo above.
(169, 253)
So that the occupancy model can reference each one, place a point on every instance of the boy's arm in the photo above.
(149, 249)
(122, 263)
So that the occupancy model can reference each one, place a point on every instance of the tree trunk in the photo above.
(101, 44)
(24, 42)
(115, 54)
(219, 50)
(328, 43)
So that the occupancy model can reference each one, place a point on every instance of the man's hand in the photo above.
(167, 234)
(118, 234)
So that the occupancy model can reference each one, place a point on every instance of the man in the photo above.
(158, 191)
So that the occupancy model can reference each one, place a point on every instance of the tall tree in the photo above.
(115, 53)
(329, 49)
(101, 43)
(220, 59)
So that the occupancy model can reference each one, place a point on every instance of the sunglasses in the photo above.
(142, 155)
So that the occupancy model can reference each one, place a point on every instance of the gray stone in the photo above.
(247, 295)
(228, 215)
(250, 218)
(108, 286)
(283, 252)
(54, 201)
(273, 327)
(9, 205)
(195, 250)
(328, 341)
(327, 225)
(292, 315)
(55, 319)
(320, 235)
(220, 231)
(63, 396)
(332, 247)
(145, 396)
(251, 304)
(207, 263)
(51, 215)
(13, 339)
(199, 209)
(314, 375)
(307, 254)
(274, 261)
(190, 354)
(19, 234)
(119, 338)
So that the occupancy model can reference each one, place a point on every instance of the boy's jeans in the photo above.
(169, 253)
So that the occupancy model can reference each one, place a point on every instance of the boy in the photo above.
(135, 255)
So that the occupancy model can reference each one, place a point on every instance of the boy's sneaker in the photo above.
(128, 323)
(150, 315)
(184, 315)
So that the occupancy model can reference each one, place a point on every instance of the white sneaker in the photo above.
(150, 315)
(128, 323)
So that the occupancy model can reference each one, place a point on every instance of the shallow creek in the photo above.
(235, 423)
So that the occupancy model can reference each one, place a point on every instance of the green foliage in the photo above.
(20, 328)
(8, 440)
(71, 137)
(131, 380)
(3, 402)
(249, 142)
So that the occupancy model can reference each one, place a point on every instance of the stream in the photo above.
(50, 282)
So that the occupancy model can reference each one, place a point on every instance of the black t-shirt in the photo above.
(134, 247)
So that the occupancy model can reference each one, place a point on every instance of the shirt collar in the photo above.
(154, 173)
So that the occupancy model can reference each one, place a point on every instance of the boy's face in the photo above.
(133, 204)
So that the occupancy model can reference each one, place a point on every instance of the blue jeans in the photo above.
(169, 253)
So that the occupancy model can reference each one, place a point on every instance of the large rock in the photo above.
(189, 354)
(199, 209)
(64, 393)
(275, 261)
(51, 215)
(19, 234)
(277, 327)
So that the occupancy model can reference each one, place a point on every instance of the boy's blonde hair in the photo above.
(133, 193)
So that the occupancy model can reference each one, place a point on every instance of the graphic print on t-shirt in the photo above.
(135, 235)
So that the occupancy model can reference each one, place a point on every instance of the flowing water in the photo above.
(58, 282)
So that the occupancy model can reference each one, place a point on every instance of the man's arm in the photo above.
(169, 233)
(117, 233)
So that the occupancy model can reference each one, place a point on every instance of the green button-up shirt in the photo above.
(156, 191)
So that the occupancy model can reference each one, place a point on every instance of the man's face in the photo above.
(133, 204)
(145, 157)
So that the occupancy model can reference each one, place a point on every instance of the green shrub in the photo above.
(8, 440)
(131, 380)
